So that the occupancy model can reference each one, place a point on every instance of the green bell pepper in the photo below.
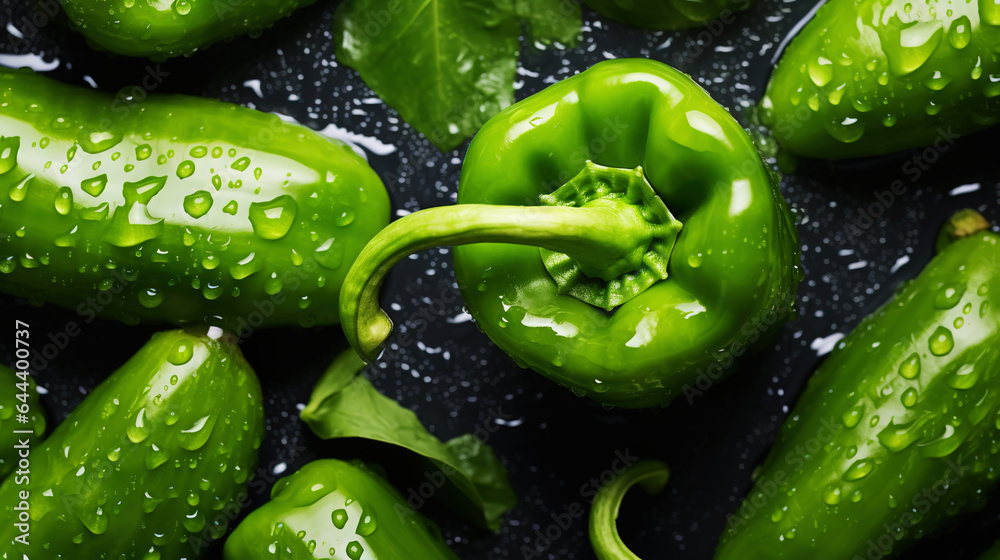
(897, 431)
(153, 464)
(870, 77)
(667, 14)
(175, 209)
(330, 510)
(594, 308)
(160, 30)
(16, 392)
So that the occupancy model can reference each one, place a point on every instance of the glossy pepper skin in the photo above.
(333, 510)
(992, 554)
(896, 432)
(871, 77)
(666, 14)
(160, 30)
(176, 209)
(11, 388)
(152, 464)
(624, 333)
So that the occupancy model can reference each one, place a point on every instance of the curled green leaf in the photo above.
(345, 404)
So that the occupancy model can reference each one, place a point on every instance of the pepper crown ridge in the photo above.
(604, 236)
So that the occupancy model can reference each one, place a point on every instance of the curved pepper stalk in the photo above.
(620, 240)
(618, 304)
(652, 476)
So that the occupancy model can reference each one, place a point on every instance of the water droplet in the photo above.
(94, 186)
(199, 151)
(143, 152)
(965, 377)
(909, 397)
(910, 368)
(831, 496)
(151, 298)
(185, 169)
(345, 218)
(155, 457)
(19, 190)
(367, 524)
(853, 416)
(859, 470)
(273, 219)
(230, 208)
(937, 81)
(245, 267)
(197, 435)
(241, 164)
(9, 146)
(917, 42)
(138, 431)
(339, 518)
(97, 142)
(330, 254)
(273, 285)
(198, 204)
(941, 341)
(182, 7)
(216, 182)
(848, 130)
(984, 308)
(64, 200)
(181, 354)
(115, 454)
(355, 550)
(960, 33)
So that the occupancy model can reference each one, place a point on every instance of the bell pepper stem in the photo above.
(601, 236)
(652, 476)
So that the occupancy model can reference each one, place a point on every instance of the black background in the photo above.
(456, 380)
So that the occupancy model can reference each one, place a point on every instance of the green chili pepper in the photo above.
(180, 27)
(897, 430)
(18, 391)
(175, 209)
(869, 77)
(332, 509)
(992, 554)
(667, 14)
(153, 464)
(594, 309)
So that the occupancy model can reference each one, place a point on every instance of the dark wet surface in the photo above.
(457, 381)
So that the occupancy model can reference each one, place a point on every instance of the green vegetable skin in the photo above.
(992, 554)
(870, 77)
(730, 280)
(176, 209)
(11, 386)
(334, 510)
(160, 30)
(896, 432)
(666, 14)
(153, 464)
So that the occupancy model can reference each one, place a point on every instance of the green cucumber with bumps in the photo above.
(176, 209)
(152, 465)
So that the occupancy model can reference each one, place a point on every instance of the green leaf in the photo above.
(550, 21)
(447, 66)
(345, 404)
